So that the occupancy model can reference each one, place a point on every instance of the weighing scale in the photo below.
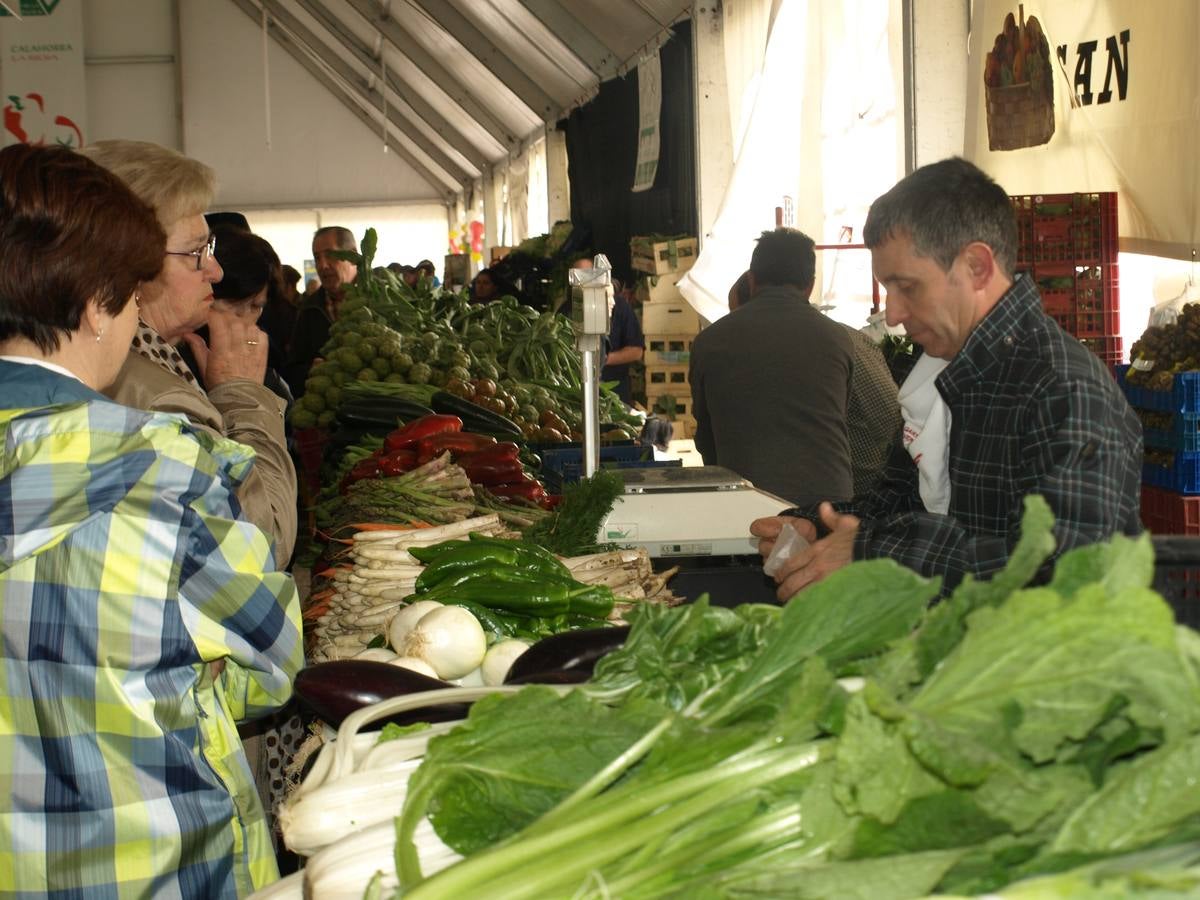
(688, 511)
(672, 511)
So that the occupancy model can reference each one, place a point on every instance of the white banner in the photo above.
(1103, 98)
(41, 76)
(649, 114)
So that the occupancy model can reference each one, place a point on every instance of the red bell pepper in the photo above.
(524, 490)
(497, 471)
(398, 462)
(490, 453)
(408, 436)
(364, 468)
(464, 442)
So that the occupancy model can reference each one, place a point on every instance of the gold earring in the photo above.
(99, 334)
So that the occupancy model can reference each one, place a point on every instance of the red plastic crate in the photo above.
(1075, 228)
(1084, 300)
(1110, 350)
(1166, 512)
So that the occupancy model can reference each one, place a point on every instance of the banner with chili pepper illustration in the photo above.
(41, 77)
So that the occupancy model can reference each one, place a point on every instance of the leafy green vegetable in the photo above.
(391, 731)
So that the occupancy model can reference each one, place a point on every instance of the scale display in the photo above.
(688, 511)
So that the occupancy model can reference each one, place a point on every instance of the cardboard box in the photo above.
(659, 257)
(498, 253)
(670, 318)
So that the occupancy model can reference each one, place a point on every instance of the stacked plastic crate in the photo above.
(669, 325)
(1171, 470)
(1068, 243)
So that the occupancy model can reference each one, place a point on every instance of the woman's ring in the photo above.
(252, 343)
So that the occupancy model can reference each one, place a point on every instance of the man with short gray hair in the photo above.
(320, 309)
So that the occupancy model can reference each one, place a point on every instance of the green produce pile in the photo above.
(391, 334)
(855, 743)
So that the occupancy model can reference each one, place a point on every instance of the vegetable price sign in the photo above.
(41, 76)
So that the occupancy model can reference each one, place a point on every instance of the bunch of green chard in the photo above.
(852, 744)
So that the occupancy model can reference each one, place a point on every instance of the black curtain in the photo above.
(602, 140)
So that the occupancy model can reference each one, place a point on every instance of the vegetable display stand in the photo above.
(668, 350)
(564, 464)
(1177, 576)
(660, 256)
(310, 448)
(1168, 512)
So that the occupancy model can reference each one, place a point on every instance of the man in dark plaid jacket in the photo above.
(1032, 410)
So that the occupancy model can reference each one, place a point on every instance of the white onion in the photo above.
(450, 639)
(376, 654)
(402, 623)
(414, 665)
(499, 659)
(474, 678)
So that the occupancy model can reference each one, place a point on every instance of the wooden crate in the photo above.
(659, 288)
(668, 349)
(661, 379)
(682, 406)
(659, 257)
(669, 319)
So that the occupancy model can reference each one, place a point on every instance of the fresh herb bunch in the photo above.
(572, 529)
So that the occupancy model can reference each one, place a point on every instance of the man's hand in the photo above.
(819, 559)
(237, 349)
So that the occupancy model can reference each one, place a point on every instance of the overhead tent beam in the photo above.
(578, 37)
(427, 63)
(364, 89)
(302, 57)
(480, 46)
(403, 89)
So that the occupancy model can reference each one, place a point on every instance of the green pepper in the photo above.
(430, 554)
(497, 623)
(511, 555)
(492, 572)
(596, 601)
(537, 557)
(525, 599)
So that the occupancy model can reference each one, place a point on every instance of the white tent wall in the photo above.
(319, 153)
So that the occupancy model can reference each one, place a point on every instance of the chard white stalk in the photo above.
(290, 888)
(317, 818)
(391, 573)
(343, 869)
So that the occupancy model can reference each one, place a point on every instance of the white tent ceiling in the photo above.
(459, 85)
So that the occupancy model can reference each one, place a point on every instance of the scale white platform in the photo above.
(688, 511)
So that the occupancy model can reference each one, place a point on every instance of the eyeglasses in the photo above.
(203, 254)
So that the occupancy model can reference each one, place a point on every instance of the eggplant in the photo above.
(567, 651)
(334, 690)
(558, 676)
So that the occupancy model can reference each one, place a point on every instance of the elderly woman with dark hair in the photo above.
(138, 616)
(228, 398)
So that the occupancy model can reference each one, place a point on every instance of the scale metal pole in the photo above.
(594, 301)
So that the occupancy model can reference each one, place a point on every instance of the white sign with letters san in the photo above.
(41, 74)
(1070, 96)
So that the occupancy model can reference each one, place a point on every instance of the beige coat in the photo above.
(242, 410)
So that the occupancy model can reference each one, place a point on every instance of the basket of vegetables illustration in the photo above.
(1019, 86)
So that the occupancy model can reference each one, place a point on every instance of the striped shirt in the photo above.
(124, 573)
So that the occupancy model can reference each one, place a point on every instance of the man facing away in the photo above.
(320, 309)
(771, 381)
(1012, 405)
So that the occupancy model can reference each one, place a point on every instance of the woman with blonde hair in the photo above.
(140, 616)
(228, 398)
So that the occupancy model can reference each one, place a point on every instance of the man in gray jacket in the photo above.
(771, 380)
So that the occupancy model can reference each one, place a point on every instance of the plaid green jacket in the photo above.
(124, 573)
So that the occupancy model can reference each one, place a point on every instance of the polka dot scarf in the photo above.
(150, 344)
